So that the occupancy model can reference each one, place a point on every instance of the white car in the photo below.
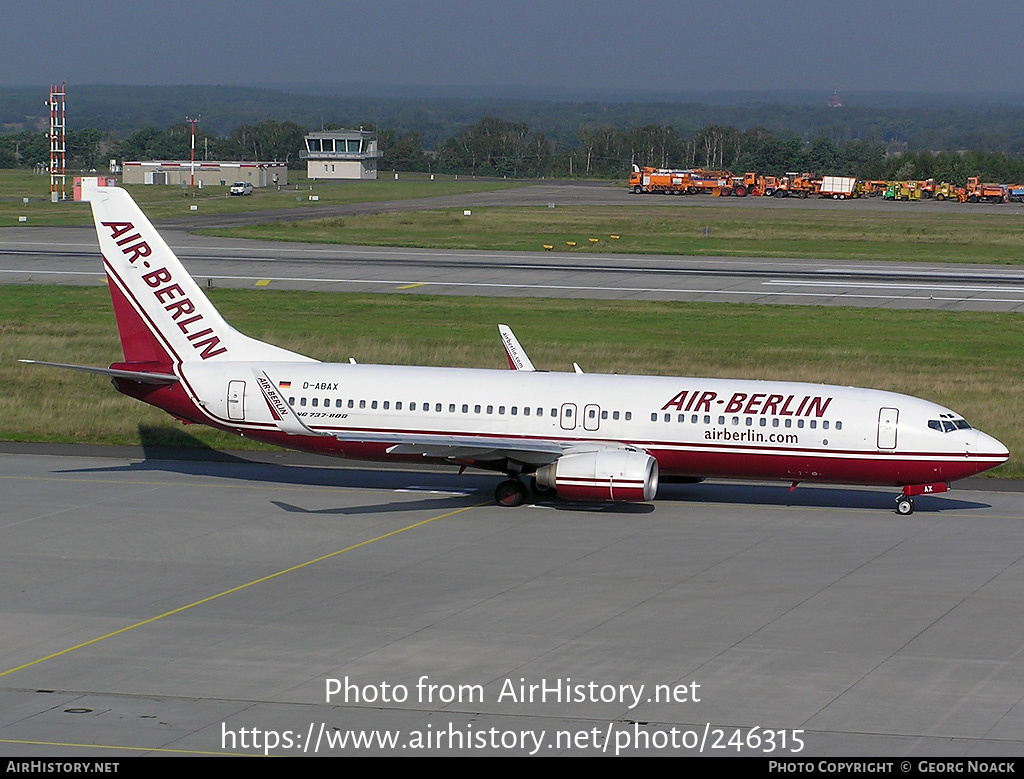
(241, 188)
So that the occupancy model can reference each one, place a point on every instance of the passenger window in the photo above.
(476, 409)
(514, 410)
(824, 425)
(373, 404)
(337, 403)
(501, 409)
(775, 421)
(291, 401)
(351, 403)
(526, 411)
(654, 416)
(437, 407)
(490, 409)
(451, 408)
(412, 406)
(362, 404)
(721, 420)
(839, 425)
(314, 402)
(465, 408)
(398, 405)
(302, 401)
(387, 405)
(789, 423)
(615, 415)
(814, 424)
(604, 415)
(629, 415)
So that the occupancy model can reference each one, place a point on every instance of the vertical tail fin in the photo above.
(163, 316)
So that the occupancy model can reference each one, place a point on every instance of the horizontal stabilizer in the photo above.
(144, 377)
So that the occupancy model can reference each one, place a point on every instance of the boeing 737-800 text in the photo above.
(584, 436)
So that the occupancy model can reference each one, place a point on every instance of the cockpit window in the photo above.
(948, 425)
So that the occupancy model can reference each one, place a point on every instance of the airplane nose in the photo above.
(990, 447)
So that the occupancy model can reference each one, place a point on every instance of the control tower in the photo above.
(341, 154)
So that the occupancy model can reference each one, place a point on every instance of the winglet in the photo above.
(517, 359)
(284, 415)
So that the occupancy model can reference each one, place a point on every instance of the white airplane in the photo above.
(582, 436)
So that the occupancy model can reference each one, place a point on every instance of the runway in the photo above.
(152, 606)
(70, 256)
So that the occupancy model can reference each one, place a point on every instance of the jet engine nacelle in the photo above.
(606, 474)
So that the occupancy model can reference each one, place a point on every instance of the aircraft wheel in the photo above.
(904, 505)
(511, 493)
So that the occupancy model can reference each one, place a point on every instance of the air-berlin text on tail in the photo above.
(132, 245)
(744, 403)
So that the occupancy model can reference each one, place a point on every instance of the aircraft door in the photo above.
(236, 400)
(887, 422)
(591, 417)
(568, 416)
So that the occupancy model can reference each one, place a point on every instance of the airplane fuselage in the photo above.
(692, 427)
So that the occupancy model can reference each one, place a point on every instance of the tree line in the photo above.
(499, 147)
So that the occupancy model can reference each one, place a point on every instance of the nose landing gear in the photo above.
(904, 505)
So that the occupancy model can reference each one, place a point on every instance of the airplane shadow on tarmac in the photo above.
(826, 497)
(193, 457)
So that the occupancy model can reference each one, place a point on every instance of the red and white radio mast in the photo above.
(58, 144)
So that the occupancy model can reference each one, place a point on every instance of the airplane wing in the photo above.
(517, 359)
(474, 448)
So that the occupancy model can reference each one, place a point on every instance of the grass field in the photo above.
(161, 202)
(900, 234)
(969, 361)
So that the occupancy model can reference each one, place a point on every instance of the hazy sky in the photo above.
(663, 45)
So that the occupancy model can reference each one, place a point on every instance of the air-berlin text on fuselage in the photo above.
(747, 403)
(135, 248)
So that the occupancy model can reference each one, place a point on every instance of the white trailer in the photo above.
(838, 187)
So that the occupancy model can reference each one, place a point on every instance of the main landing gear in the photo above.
(511, 493)
(904, 505)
